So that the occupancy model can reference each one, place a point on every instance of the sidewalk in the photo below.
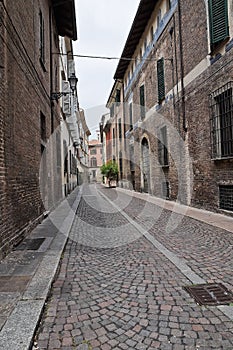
(211, 218)
(26, 275)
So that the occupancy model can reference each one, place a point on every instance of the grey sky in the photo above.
(103, 27)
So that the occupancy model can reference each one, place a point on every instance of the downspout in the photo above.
(181, 67)
(51, 67)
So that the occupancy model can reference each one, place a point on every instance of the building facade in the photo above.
(29, 71)
(95, 160)
(171, 104)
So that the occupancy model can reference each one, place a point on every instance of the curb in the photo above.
(19, 330)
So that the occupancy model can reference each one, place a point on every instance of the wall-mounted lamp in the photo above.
(73, 83)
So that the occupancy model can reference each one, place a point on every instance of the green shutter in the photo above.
(161, 82)
(218, 13)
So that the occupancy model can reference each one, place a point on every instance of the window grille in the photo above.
(226, 197)
(221, 120)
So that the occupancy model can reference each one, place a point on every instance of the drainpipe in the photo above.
(51, 67)
(181, 67)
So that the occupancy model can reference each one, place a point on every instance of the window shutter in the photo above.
(160, 77)
(218, 13)
(66, 99)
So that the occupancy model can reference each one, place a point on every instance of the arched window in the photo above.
(145, 165)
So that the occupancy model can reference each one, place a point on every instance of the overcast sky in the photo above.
(103, 27)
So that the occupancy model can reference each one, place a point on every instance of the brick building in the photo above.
(29, 71)
(171, 105)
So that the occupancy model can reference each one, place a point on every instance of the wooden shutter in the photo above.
(218, 15)
(160, 77)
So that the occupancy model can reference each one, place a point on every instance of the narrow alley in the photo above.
(122, 276)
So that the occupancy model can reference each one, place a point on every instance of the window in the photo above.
(226, 197)
(162, 147)
(131, 158)
(121, 164)
(160, 78)
(168, 5)
(142, 101)
(112, 111)
(140, 54)
(119, 129)
(93, 162)
(145, 44)
(93, 151)
(218, 17)
(58, 148)
(118, 97)
(159, 16)
(222, 122)
(152, 33)
(130, 116)
(42, 39)
(165, 189)
(42, 127)
(113, 137)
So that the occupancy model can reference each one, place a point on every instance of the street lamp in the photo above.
(73, 83)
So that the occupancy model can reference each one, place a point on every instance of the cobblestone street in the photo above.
(119, 286)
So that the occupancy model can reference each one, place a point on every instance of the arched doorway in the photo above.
(145, 165)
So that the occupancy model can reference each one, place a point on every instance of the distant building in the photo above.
(95, 160)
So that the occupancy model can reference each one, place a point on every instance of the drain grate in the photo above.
(30, 244)
(210, 294)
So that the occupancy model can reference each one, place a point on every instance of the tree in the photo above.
(110, 170)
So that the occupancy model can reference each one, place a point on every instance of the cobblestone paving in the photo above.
(208, 250)
(129, 296)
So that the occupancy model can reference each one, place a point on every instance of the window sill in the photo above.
(222, 158)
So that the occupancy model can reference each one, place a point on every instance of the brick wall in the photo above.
(189, 116)
(26, 94)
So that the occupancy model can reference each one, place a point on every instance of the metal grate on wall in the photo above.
(221, 120)
(226, 197)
